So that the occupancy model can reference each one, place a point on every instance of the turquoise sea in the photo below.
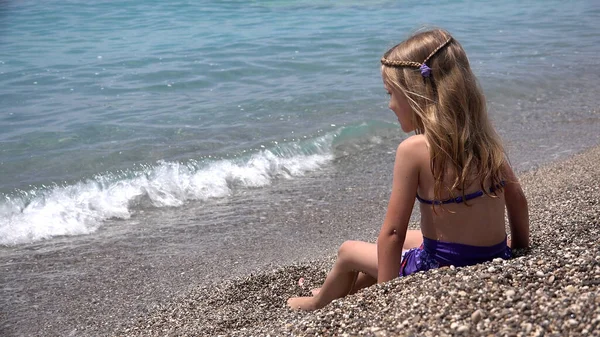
(104, 104)
(136, 120)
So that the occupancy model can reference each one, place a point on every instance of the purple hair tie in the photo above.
(425, 70)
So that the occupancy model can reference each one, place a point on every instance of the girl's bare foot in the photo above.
(315, 291)
(302, 303)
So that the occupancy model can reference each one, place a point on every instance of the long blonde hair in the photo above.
(432, 70)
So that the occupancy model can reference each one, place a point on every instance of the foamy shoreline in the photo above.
(552, 290)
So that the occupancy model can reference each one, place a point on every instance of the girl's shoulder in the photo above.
(415, 144)
(414, 150)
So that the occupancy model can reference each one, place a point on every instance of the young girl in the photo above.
(454, 166)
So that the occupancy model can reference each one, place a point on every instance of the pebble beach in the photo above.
(551, 289)
(176, 168)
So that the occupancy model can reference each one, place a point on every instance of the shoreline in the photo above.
(544, 291)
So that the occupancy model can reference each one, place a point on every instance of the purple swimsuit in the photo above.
(435, 254)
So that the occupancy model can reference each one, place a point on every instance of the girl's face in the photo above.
(399, 105)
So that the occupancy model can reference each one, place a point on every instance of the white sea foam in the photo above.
(81, 208)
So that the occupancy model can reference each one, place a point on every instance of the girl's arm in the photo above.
(404, 188)
(517, 209)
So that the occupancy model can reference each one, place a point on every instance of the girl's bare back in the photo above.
(480, 222)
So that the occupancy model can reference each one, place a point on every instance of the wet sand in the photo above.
(552, 289)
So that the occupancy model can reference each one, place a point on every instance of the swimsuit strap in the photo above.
(460, 198)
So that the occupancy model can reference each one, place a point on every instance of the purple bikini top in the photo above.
(460, 198)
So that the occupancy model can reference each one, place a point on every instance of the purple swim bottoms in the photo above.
(435, 254)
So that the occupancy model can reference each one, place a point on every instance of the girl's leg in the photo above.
(362, 281)
(413, 239)
(353, 256)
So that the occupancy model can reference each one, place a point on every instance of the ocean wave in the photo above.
(81, 208)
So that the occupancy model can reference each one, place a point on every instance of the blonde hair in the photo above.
(448, 107)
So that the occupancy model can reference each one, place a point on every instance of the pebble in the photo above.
(476, 316)
(462, 328)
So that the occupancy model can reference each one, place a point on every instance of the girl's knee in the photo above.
(345, 249)
(349, 252)
(358, 256)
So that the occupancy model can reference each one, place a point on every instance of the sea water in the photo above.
(109, 107)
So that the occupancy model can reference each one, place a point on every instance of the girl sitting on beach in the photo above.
(454, 166)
